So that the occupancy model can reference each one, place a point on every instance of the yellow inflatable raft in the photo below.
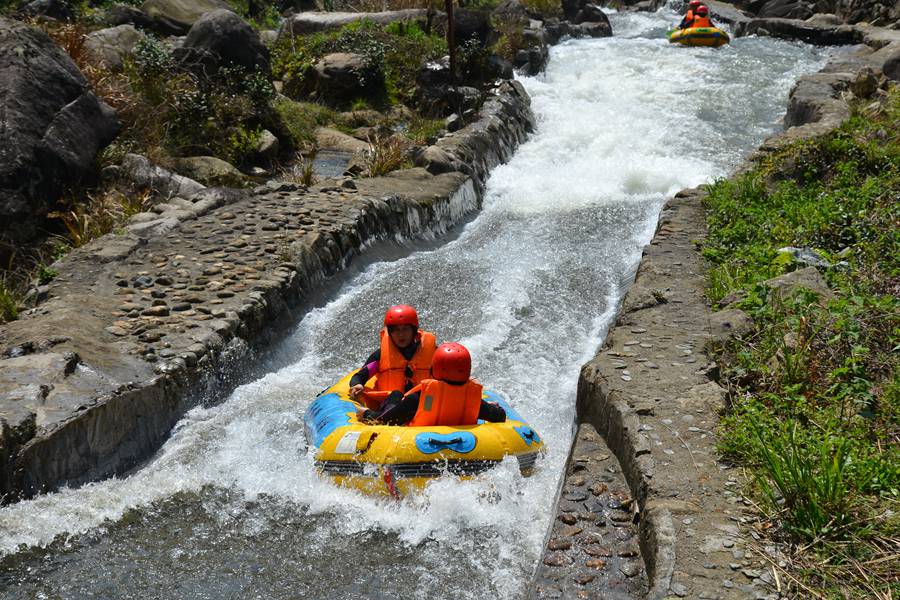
(699, 36)
(397, 460)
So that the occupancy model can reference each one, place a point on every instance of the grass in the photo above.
(423, 130)
(814, 412)
(102, 213)
(385, 154)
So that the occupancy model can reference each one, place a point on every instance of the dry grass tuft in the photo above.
(101, 214)
(385, 154)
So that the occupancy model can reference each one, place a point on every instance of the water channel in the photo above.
(230, 507)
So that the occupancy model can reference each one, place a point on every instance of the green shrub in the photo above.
(11, 299)
(302, 118)
(422, 130)
(395, 54)
(544, 8)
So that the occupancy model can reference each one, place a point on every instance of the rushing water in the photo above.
(230, 507)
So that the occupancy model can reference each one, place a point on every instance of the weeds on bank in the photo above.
(100, 214)
(385, 154)
(815, 389)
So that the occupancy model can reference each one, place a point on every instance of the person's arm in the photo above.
(365, 373)
(399, 413)
(491, 412)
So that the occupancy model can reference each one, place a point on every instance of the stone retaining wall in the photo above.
(140, 326)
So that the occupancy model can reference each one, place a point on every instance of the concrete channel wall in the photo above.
(140, 326)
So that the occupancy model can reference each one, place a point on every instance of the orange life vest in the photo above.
(688, 19)
(392, 365)
(701, 22)
(442, 403)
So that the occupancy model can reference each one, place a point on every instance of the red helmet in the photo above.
(451, 362)
(702, 10)
(401, 315)
(693, 4)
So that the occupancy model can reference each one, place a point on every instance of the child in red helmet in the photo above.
(449, 398)
(702, 18)
(402, 360)
(689, 16)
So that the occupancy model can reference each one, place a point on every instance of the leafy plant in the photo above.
(11, 299)
(46, 274)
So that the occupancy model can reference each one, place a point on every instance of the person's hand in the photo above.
(356, 390)
(359, 413)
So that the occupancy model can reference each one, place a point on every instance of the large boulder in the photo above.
(54, 9)
(176, 17)
(339, 78)
(123, 14)
(210, 170)
(51, 125)
(310, 22)
(139, 172)
(112, 47)
(891, 66)
(787, 9)
(222, 38)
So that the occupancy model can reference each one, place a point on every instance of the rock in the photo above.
(499, 67)
(787, 9)
(584, 579)
(816, 98)
(795, 29)
(591, 13)
(594, 30)
(559, 544)
(825, 20)
(809, 278)
(53, 128)
(342, 76)
(54, 9)
(123, 14)
(220, 38)
(865, 84)
(595, 563)
(728, 324)
(454, 122)
(143, 174)
(571, 8)
(210, 170)
(311, 22)
(468, 25)
(267, 147)
(436, 160)
(332, 139)
(111, 47)
(175, 17)
(891, 67)
(556, 559)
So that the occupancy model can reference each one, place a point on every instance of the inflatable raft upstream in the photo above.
(397, 460)
(698, 36)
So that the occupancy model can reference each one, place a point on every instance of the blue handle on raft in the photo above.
(461, 442)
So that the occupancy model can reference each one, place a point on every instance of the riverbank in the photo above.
(654, 392)
(138, 327)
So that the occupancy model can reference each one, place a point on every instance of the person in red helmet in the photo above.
(403, 358)
(702, 17)
(689, 15)
(450, 397)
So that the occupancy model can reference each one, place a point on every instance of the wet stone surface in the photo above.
(593, 547)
